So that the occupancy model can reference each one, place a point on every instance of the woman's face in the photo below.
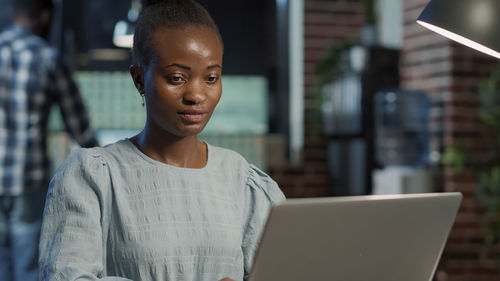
(182, 82)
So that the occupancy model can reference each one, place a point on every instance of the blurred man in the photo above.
(32, 79)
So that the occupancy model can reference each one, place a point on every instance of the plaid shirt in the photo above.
(32, 79)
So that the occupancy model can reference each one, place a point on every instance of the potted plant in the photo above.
(487, 168)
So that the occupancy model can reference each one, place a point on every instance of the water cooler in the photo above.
(401, 142)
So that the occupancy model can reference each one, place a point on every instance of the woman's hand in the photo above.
(226, 279)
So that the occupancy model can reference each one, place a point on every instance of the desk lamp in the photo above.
(474, 23)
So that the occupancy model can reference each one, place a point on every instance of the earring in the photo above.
(141, 92)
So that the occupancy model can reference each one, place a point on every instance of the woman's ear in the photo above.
(137, 73)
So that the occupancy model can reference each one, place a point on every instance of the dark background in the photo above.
(83, 28)
(248, 29)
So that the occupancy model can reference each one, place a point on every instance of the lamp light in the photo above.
(123, 34)
(474, 23)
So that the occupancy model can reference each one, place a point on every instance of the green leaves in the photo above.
(455, 156)
(489, 195)
(489, 98)
(487, 167)
(489, 188)
(370, 11)
(328, 68)
(330, 65)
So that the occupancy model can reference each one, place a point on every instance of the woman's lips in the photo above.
(193, 116)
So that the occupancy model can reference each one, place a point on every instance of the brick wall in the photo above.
(326, 22)
(450, 74)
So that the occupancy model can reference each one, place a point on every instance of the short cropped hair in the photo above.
(167, 13)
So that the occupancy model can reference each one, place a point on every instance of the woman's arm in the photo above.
(261, 193)
(71, 243)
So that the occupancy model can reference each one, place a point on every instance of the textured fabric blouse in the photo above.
(113, 213)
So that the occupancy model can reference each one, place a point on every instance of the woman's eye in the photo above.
(212, 78)
(175, 79)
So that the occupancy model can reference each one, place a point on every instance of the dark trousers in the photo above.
(20, 222)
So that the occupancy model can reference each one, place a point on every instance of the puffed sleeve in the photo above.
(73, 230)
(261, 193)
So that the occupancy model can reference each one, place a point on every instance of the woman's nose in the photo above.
(195, 93)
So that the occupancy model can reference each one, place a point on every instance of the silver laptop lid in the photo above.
(374, 237)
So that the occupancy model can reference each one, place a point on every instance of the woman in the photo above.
(161, 205)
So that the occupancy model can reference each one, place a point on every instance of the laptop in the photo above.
(357, 238)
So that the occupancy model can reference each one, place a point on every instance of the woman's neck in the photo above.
(186, 152)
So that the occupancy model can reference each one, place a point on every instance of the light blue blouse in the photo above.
(113, 213)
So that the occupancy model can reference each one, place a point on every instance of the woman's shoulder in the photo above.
(120, 151)
(93, 158)
(80, 160)
(260, 182)
(221, 155)
(254, 179)
(227, 160)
